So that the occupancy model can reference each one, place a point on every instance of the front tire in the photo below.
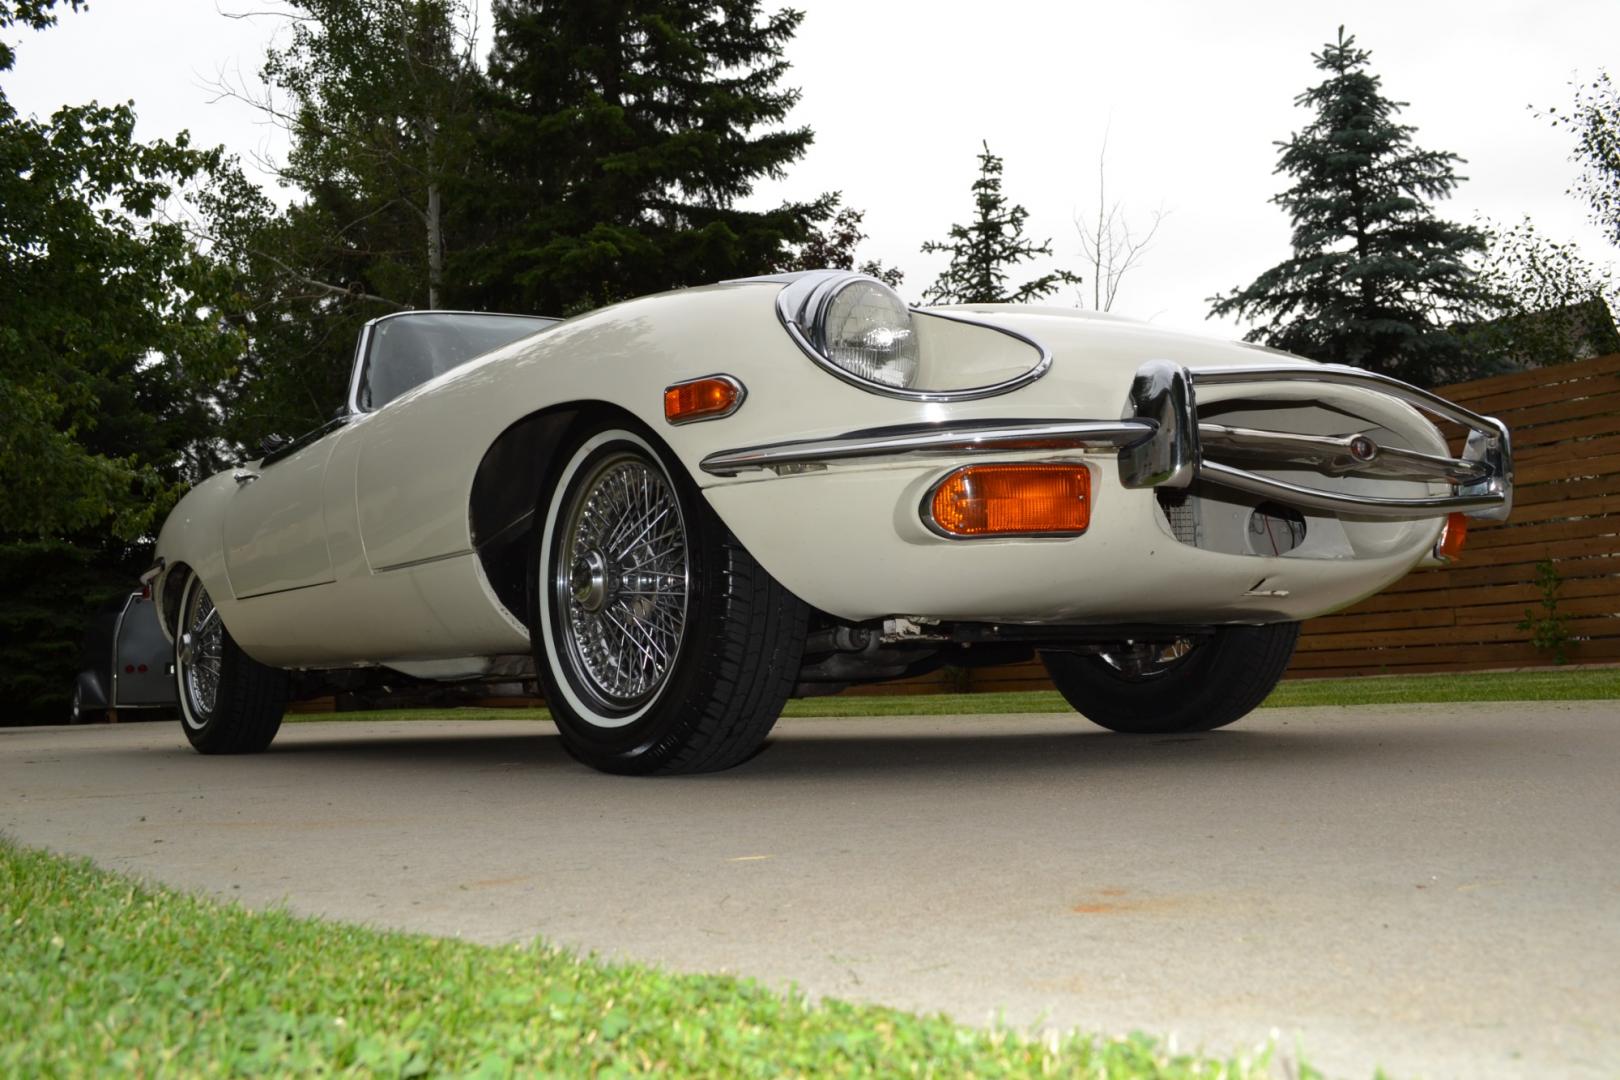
(1168, 689)
(229, 702)
(662, 645)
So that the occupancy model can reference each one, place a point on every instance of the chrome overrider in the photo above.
(1161, 443)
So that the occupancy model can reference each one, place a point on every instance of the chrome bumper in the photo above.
(1162, 444)
(1180, 448)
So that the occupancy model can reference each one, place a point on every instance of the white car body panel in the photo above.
(275, 536)
(371, 557)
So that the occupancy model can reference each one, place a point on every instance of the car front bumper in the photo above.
(836, 519)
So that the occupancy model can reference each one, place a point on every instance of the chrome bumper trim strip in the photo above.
(1337, 455)
(991, 436)
(1316, 499)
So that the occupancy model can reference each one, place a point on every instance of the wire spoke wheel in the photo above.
(229, 702)
(1147, 659)
(662, 647)
(622, 581)
(201, 656)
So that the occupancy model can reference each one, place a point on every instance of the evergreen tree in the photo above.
(1376, 278)
(983, 252)
(620, 138)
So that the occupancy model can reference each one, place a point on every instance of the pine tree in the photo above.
(1376, 278)
(621, 137)
(983, 252)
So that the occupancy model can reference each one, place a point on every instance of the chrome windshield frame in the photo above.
(362, 346)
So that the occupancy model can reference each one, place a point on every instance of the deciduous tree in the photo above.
(110, 343)
(1595, 122)
(832, 243)
(110, 334)
(1556, 306)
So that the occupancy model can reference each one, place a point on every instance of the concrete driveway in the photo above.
(1432, 889)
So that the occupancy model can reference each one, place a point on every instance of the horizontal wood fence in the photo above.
(1565, 422)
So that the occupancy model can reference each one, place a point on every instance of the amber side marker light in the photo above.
(708, 398)
(1011, 500)
(1453, 534)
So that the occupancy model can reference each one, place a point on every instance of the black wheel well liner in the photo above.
(507, 487)
(174, 587)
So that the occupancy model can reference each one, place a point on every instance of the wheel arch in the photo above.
(167, 590)
(92, 690)
(507, 486)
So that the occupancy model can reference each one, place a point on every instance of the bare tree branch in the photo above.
(1109, 243)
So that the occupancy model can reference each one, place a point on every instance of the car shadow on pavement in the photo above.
(868, 747)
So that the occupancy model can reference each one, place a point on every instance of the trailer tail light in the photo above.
(708, 398)
(1037, 499)
(1453, 534)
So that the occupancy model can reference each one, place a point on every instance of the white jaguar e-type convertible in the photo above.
(680, 511)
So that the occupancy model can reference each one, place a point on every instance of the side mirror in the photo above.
(273, 442)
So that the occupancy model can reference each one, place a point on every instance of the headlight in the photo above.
(857, 328)
(865, 329)
(857, 324)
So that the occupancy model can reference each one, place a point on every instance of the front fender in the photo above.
(192, 541)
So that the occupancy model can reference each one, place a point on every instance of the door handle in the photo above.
(243, 476)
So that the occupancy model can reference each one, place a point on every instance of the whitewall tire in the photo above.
(662, 646)
(229, 702)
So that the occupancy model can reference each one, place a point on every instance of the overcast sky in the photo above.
(1192, 96)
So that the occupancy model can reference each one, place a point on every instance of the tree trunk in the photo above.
(435, 242)
(435, 226)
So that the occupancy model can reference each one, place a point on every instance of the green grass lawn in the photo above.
(100, 974)
(1556, 684)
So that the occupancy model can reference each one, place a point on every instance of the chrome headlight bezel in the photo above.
(805, 305)
(802, 306)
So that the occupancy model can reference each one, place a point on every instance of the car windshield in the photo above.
(405, 351)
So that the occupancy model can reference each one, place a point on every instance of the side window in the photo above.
(404, 351)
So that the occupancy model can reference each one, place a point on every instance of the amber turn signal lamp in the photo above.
(708, 398)
(1453, 534)
(1012, 500)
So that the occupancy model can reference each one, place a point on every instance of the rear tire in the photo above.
(1219, 681)
(78, 712)
(229, 702)
(662, 645)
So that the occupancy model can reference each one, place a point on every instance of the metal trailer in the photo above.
(124, 663)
